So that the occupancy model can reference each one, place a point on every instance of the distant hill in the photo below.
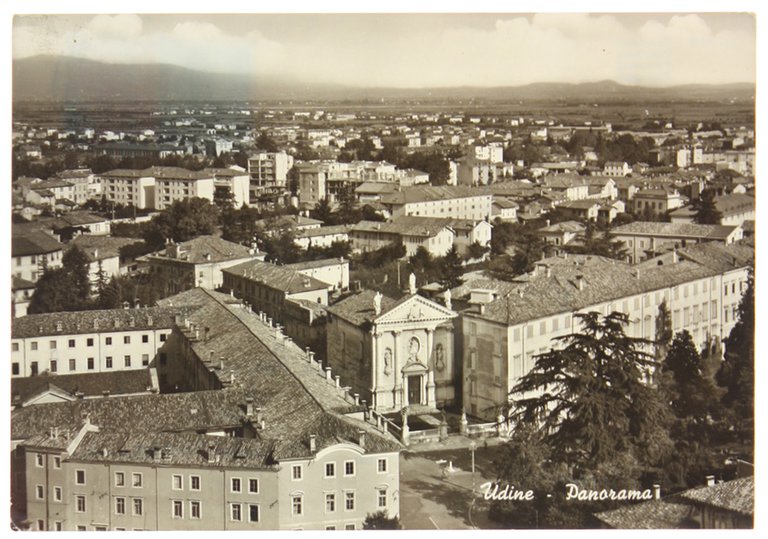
(60, 78)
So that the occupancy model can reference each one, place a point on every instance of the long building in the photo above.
(458, 202)
(259, 437)
(506, 324)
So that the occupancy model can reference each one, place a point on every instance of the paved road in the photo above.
(428, 501)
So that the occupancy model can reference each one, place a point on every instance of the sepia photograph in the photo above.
(388, 270)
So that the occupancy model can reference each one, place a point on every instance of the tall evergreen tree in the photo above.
(591, 403)
(706, 209)
(76, 264)
(452, 269)
(663, 336)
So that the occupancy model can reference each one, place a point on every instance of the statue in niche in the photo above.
(413, 349)
(439, 357)
(387, 361)
(412, 283)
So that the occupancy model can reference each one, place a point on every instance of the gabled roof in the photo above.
(204, 250)
(564, 226)
(358, 308)
(407, 225)
(282, 278)
(90, 384)
(34, 243)
(79, 322)
(737, 495)
(430, 193)
(674, 230)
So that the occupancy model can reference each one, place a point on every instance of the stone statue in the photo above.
(447, 297)
(387, 361)
(413, 349)
(439, 357)
(412, 284)
(377, 303)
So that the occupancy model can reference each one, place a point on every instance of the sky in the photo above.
(414, 50)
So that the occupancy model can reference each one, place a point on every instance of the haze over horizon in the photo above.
(414, 50)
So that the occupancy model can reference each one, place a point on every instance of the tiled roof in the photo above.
(52, 184)
(75, 173)
(79, 322)
(358, 308)
(172, 412)
(737, 495)
(720, 258)
(289, 221)
(176, 173)
(34, 243)
(430, 193)
(322, 231)
(535, 295)
(224, 172)
(106, 246)
(295, 397)
(282, 278)
(668, 513)
(378, 188)
(427, 227)
(564, 226)
(504, 203)
(687, 230)
(127, 173)
(116, 382)
(580, 204)
(77, 218)
(17, 283)
(322, 263)
(181, 449)
(197, 251)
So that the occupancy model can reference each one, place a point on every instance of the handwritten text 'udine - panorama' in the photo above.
(493, 491)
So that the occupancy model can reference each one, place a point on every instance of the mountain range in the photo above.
(62, 78)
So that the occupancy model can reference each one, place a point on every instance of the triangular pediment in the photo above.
(415, 308)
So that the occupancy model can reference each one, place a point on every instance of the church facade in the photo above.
(394, 353)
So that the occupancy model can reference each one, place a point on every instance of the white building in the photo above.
(457, 202)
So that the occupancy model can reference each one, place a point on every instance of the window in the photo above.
(138, 506)
(81, 528)
(137, 480)
(39, 460)
(80, 477)
(194, 482)
(349, 468)
(39, 492)
(54, 366)
(109, 362)
(382, 498)
(297, 505)
(327, 528)
(15, 368)
(235, 484)
(15, 347)
(144, 360)
(57, 526)
(41, 525)
(127, 339)
(296, 472)
(57, 463)
(253, 486)
(72, 365)
(235, 512)
(382, 465)
(349, 527)
(57, 494)
(330, 502)
(127, 361)
(33, 368)
(529, 332)
(108, 341)
(177, 508)
(177, 483)
(33, 346)
(253, 512)
(162, 337)
(330, 469)
(195, 509)
(349, 501)
(79, 504)
(89, 341)
(119, 505)
(90, 363)
(71, 343)
(119, 479)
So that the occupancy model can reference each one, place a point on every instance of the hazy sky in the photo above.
(414, 50)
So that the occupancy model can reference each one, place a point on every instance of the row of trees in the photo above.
(584, 416)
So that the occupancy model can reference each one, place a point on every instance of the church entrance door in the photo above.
(414, 389)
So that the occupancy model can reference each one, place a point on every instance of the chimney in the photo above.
(361, 438)
(338, 380)
(481, 308)
(104, 452)
(580, 282)
(211, 452)
(637, 273)
(357, 398)
(156, 453)
(207, 332)
(312, 443)
(166, 453)
(105, 393)
(249, 406)
(221, 363)
(710, 480)
(328, 373)
(656, 492)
